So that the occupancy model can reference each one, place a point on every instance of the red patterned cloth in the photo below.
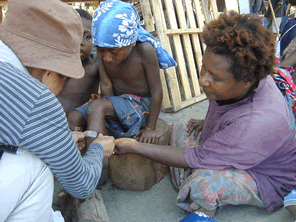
(284, 81)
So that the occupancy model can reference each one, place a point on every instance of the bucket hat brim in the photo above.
(35, 54)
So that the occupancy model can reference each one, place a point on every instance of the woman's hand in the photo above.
(108, 143)
(125, 145)
(194, 125)
(79, 139)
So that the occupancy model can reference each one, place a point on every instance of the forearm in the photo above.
(107, 89)
(78, 175)
(87, 173)
(167, 155)
(154, 111)
(105, 82)
(153, 116)
(288, 9)
(53, 143)
(277, 7)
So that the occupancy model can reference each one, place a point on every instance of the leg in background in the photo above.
(210, 189)
(179, 138)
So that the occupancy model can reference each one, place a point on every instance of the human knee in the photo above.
(75, 119)
(98, 106)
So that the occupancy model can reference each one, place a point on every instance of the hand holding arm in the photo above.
(79, 138)
(107, 142)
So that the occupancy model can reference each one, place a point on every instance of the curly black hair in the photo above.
(84, 14)
(249, 46)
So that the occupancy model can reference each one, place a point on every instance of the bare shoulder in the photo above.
(146, 51)
(91, 68)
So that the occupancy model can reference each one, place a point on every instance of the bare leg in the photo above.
(98, 110)
(197, 208)
(75, 119)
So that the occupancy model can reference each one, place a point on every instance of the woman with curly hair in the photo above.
(246, 151)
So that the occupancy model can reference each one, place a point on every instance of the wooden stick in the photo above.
(1, 16)
(274, 19)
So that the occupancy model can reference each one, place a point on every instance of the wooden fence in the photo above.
(178, 24)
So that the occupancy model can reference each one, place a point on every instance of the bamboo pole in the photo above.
(274, 19)
(1, 15)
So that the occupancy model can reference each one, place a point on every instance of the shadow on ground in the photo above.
(158, 203)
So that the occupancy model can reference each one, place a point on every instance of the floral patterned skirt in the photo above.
(210, 188)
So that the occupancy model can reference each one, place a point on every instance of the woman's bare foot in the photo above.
(194, 206)
(211, 213)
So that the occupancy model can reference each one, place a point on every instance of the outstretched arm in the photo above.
(106, 86)
(151, 69)
(167, 155)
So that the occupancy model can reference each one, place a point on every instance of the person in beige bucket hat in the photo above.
(40, 43)
(45, 35)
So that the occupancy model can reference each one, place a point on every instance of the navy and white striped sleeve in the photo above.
(34, 120)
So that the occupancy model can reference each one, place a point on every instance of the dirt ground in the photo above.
(158, 203)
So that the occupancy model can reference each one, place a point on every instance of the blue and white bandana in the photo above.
(117, 24)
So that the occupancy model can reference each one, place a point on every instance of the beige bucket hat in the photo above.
(44, 34)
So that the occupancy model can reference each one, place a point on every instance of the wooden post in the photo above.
(95, 4)
(161, 28)
(1, 16)
(147, 16)
(231, 5)
(274, 18)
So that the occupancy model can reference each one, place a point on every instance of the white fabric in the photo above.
(26, 188)
(278, 48)
(278, 21)
(57, 216)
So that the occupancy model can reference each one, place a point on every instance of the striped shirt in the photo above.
(32, 118)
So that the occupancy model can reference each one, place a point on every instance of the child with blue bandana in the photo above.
(129, 61)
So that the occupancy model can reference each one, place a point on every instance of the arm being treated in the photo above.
(167, 155)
